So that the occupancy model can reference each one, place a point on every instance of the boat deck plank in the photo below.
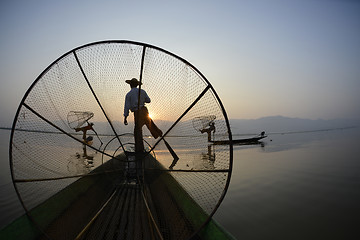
(125, 216)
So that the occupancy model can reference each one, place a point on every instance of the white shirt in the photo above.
(131, 100)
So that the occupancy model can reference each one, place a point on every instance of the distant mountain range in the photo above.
(277, 124)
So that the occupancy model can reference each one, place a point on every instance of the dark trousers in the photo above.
(142, 118)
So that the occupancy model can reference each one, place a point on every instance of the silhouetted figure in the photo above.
(208, 130)
(141, 115)
(86, 140)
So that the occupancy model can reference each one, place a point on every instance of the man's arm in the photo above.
(147, 99)
(126, 108)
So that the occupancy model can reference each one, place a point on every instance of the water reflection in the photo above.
(207, 160)
(78, 165)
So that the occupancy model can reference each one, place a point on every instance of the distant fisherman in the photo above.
(86, 140)
(208, 130)
(141, 115)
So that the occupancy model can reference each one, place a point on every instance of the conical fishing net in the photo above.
(201, 123)
(72, 158)
(77, 118)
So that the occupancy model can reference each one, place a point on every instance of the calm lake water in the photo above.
(294, 186)
(298, 186)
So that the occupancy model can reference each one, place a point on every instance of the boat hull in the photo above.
(105, 205)
(254, 140)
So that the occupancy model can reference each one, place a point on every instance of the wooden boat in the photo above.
(245, 141)
(106, 205)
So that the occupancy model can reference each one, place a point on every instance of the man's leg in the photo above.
(139, 144)
(154, 130)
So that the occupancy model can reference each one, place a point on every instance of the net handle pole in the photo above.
(137, 113)
(141, 73)
(98, 101)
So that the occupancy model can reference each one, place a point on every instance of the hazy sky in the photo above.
(291, 58)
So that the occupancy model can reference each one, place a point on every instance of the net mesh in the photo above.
(76, 118)
(82, 95)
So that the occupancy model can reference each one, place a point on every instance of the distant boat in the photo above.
(206, 124)
(245, 141)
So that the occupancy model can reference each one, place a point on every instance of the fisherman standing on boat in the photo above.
(141, 114)
(86, 140)
(209, 130)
